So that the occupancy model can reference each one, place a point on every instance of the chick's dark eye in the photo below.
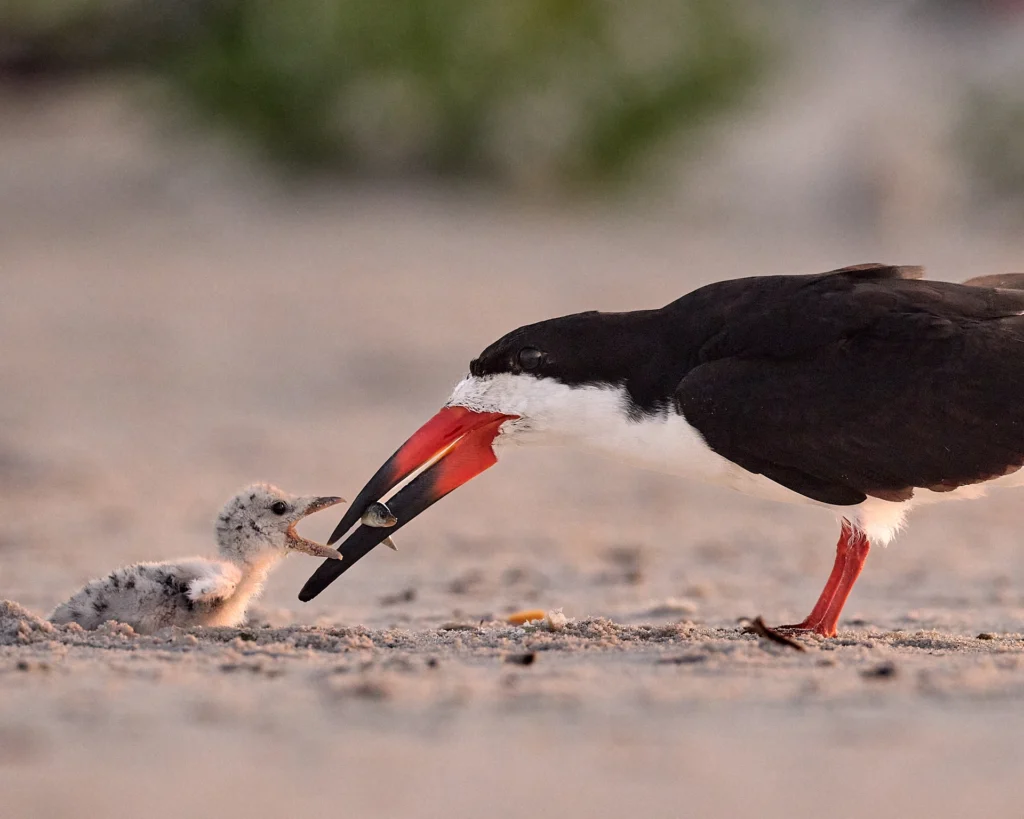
(530, 358)
(279, 507)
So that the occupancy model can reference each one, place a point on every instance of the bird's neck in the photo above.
(254, 566)
(255, 571)
(260, 565)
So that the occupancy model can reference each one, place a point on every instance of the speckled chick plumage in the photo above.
(255, 530)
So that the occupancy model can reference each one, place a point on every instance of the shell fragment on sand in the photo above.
(520, 618)
(538, 619)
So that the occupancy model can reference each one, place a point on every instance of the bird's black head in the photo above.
(589, 349)
(547, 349)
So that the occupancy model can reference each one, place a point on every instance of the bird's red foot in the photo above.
(851, 552)
(824, 629)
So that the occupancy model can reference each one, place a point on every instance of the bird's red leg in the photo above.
(856, 556)
(851, 554)
(825, 598)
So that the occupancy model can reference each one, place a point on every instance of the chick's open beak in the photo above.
(316, 504)
(310, 547)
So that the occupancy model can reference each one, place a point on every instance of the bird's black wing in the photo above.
(852, 384)
(1006, 281)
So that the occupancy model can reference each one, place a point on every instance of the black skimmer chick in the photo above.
(865, 390)
(255, 530)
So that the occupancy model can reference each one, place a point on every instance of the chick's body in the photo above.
(254, 532)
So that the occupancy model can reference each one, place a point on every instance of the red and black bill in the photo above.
(458, 441)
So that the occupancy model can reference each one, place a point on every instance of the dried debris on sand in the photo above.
(761, 629)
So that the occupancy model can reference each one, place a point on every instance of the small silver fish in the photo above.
(380, 517)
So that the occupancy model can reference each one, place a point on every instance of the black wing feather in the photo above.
(852, 385)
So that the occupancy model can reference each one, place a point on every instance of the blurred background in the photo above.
(244, 239)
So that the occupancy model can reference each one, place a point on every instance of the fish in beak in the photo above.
(310, 547)
(457, 445)
(380, 516)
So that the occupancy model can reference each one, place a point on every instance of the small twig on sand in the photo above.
(757, 626)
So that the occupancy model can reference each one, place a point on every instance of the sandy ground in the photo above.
(169, 334)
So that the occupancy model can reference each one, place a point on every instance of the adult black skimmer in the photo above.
(866, 390)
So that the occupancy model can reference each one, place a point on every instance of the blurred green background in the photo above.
(548, 93)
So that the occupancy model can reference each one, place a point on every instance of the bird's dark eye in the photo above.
(279, 507)
(530, 358)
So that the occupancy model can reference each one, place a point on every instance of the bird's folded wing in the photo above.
(783, 316)
(1005, 281)
(916, 397)
(215, 581)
